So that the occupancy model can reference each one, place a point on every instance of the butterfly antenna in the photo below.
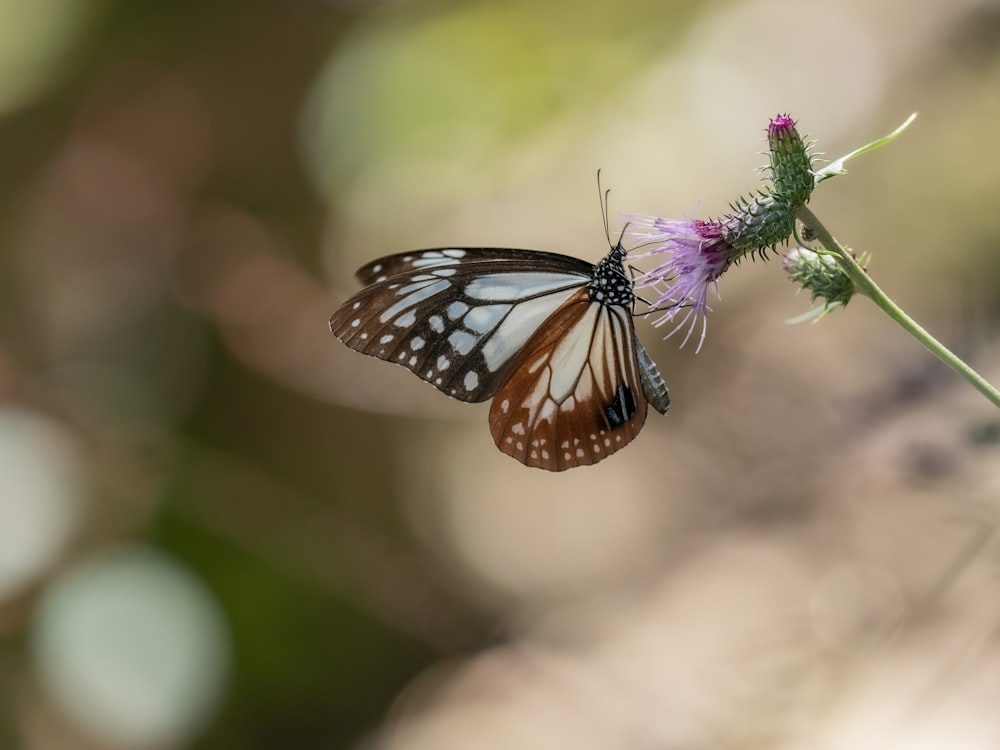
(602, 196)
(622, 235)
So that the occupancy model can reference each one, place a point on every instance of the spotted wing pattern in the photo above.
(575, 393)
(549, 337)
(456, 317)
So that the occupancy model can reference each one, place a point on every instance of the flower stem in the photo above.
(864, 284)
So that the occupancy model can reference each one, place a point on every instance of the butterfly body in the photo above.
(548, 337)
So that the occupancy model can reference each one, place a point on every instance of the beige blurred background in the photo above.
(220, 528)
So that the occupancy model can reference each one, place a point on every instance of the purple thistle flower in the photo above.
(698, 253)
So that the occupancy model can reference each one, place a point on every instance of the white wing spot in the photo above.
(386, 339)
(355, 323)
(568, 457)
(402, 356)
(579, 452)
(405, 320)
(454, 253)
(364, 336)
(597, 448)
(545, 454)
(534, 454)
(607, 442)
(415, 294)
(436, 323)
(548, 409)
(413, 361)
(383, 278)
(565, 444)
(444, 272)
(437, 381)
(443, 363)
(518, 429)
(356, 305)
(416, 283)
(520, 445)
(432, 262)
(417, 343)
(505, 405)
(471, 380)
(508, 287)
(376, 268)
(485, 318)
(510, 439)
(457, 309)
(462, 341)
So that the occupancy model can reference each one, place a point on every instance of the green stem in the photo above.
(864, 284)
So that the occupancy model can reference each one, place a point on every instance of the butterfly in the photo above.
(548, 337)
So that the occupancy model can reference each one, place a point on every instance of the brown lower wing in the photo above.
(573, 396)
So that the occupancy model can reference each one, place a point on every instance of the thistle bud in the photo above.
(791, 162)
(820, 274)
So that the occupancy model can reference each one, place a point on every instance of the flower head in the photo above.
(698, 253)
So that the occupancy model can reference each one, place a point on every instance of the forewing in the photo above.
(465, 260)
(574, 394)
(458, 321)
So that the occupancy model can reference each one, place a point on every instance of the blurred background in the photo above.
(220, 528)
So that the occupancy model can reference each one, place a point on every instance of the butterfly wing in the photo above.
(465, 260)
(456, 317)
(575, 393)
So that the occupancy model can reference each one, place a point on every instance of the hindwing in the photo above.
(575, 394)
